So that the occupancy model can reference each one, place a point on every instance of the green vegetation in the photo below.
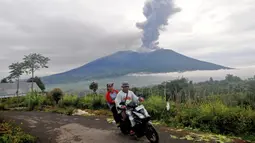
(29, 65)
(10, 133)
(38, 81)
(93, 86)
(16, 70)
(56, 94)
(222, 107)
(4, 80)
(36, 101)
(34, 62)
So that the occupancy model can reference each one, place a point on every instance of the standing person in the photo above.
(110, 97)
(127, 96)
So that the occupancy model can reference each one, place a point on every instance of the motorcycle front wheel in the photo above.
(124, 127)
(151, 134)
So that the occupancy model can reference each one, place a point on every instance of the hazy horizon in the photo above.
(139, 80)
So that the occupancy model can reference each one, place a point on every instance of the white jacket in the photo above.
(122, 96)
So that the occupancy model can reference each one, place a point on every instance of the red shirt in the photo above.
(110, 96)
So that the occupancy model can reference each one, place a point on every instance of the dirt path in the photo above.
(57, 128)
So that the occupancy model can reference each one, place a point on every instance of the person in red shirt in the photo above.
(110, 97)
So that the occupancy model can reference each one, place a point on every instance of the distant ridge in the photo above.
(126, 62)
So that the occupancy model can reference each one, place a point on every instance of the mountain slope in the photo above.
(125, 62)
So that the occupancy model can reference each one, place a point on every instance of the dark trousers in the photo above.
(116, 116)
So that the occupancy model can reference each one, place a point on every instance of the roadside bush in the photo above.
(91, 102)
(2, 106)
(217, 118)
(155, 106)
(66, 110)
(69, 100)
(213, 114)
(57, 94)
(10, 133)
(34, 99)
(49, 100)
(14, 101)
(210, 116)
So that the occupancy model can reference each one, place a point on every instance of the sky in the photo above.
(74, 32)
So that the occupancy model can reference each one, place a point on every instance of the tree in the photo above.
(232, 78)
(135, 90)
(17, 69)
(4, 80)
(34, 62)
(38, 81)
(177, 87)
(10, 81)
(211, 80)
(93, 86)
(57, 94)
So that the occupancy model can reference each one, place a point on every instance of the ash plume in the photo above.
(157, 13)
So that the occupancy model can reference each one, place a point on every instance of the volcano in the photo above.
(127, 62)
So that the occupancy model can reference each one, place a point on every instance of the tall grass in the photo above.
(92, 101)
(69, 100)
(213, 116)
(33, 100)
(155, 106)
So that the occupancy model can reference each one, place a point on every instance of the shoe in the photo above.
(132, 132)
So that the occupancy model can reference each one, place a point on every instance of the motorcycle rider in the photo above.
(127, 96)
(110, 97)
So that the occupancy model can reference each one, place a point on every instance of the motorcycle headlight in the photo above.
(141, 116)
(141, 111)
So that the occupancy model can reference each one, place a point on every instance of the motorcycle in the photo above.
(143, 125)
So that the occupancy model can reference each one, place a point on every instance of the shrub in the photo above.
(218, 118)
(14, 101)
(49, 100)
(155, 106)
(34, 99)
(14, 134)
(212, 115)
(221, 114)
(91, 102)
(69, 100)
(2, 106)
(66, 111)
(57, 94)
(93, 86)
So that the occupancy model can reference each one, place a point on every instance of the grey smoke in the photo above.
(157, 13)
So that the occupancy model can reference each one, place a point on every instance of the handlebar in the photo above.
(129, 106)
(132, 104)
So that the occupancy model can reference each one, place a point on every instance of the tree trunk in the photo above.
(17, 92)
(94, 96)
(164, 93)
(32, 80)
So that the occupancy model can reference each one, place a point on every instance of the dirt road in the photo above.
(57, 128)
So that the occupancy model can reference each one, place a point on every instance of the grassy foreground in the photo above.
(11, 133)
(211, 116)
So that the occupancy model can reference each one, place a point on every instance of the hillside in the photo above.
(125, 62)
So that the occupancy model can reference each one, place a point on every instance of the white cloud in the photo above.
(73, 33)
(205, 29)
